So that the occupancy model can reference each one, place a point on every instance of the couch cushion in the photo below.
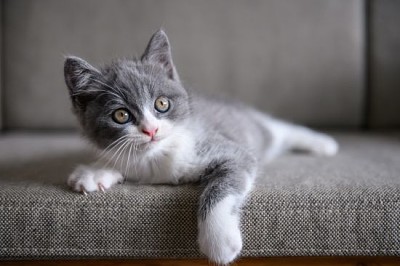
(302, 205)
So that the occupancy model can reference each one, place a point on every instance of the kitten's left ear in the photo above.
(158, 51)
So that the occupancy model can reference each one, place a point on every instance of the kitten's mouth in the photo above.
(154, 141)
(145, 147)
(151, 142)
(148, 143)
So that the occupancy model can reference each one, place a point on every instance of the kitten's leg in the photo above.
(288, 136)
(227, 183)
(89, 179)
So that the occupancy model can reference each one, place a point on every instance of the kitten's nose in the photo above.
(150, 132)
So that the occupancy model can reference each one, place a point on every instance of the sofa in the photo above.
(331, 65)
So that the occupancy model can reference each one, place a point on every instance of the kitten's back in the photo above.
(235, 121)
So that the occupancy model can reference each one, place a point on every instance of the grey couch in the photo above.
(330, 64)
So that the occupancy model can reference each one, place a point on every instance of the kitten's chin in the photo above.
(151, 144)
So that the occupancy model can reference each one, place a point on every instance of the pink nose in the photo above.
(150, 132)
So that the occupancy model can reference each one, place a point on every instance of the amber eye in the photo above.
(162, 104)
(121, 116)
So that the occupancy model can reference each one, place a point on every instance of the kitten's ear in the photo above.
(158, 51)
(78, 75)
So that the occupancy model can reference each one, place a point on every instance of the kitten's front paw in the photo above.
(87, 179)
(219, 235)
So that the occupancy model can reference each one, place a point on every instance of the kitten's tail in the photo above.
(287, 136)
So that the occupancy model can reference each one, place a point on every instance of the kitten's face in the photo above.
(130, 101)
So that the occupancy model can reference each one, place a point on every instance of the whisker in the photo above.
(104, 159)
(128, 162)
(113, 92)
(95, 90)
(105, 154)
(113, 144)
(133, 152)
(119, 89)
(102, 83)
(120, 153)
(121, 145)
(124, 155)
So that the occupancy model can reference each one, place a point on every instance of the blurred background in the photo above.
(332, 63)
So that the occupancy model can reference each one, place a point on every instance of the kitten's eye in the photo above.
(121, 116)
(162, 104)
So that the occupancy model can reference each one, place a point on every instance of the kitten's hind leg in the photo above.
(89, 179)
(295, 137)
(227, 182)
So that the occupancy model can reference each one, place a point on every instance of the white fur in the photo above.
(219, 235)
(171, 160)
(286, 136)
(88, 179)
(168, 160)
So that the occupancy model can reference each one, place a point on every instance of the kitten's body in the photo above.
(220, 144)
(185, 154)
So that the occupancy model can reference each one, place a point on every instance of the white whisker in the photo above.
(128, 161)
(120, 146)
(112, 145)
(121, 151)
(108, 86)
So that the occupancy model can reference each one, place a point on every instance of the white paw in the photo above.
(87, 179)
(325, 146)
(219, 234)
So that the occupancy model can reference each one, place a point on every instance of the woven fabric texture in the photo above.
(301, 206)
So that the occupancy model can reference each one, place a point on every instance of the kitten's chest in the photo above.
(172, 162)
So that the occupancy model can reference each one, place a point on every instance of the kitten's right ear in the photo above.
(78, 74)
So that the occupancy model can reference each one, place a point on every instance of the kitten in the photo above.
(152, 131)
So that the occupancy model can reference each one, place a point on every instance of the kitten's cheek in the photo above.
(164, 130)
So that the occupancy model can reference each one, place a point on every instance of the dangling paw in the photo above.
(86, 179)
(324, 145)
(219, 234)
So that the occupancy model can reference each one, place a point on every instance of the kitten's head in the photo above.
(141, 100)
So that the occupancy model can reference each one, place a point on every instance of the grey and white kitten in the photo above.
(153, 131)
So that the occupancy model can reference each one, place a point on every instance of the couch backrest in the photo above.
(384, 67)
(303, 60)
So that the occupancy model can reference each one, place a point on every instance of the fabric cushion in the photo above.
(301, 206)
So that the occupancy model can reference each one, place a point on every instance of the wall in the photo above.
(385, 63)
(1, 66)
(300, 60)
